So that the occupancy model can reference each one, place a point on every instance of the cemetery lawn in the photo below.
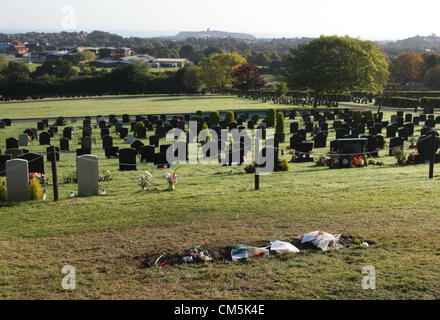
(110, 239)
(134, 104)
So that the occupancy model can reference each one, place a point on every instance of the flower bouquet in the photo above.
(172, 179)
(35, 190)
(198, 254)
(145, 180)
(357, 162)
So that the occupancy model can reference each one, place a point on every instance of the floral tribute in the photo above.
(198, 254)
(145, 180)
(173, 179)
(357, 162)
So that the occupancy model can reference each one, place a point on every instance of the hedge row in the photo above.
(397, 102)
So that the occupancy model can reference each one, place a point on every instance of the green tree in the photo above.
(271, 113)
(335, 65)
(279, 129)
(229, 117)
(280, 89)
(83, 56)
(16, 72)
(59, 68)
(214, 118)
(432, 78)
(186, 51)
(216, 71)
(191, 80)
(3, 62)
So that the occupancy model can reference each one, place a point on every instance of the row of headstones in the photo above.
(5, 123)
(17, 177)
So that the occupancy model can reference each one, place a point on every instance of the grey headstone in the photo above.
(17, 177)
(23, 140)
(87, 170)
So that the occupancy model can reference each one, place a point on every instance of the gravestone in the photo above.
(14, 152)
(123, 132)
(81, 152)
(391, 131)
(67, 133)
(107, 142)
(403, 133)
(87, 171)
(320, 140)
(111, 152)
(2, 124)
(3, 159)
(49, 152)
(17, 177)
(395, 142)
(87, 131)
(416, 120)
(427, 145)
(7, 122)
(11, 143)
(154, 140)
(125, 118)
(141, 133)
(250, 124)
(294, 127)
(44, 139)
(23, 140)
(40, 125)
(64, 144)
(130, 139)
(35, 161)
(86, 142)
(127, 159)
(137, 145)
(147, 153)
(105, 132)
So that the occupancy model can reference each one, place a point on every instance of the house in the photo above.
(114, 52)
(16, 50)
(4, 47)
(171, 63)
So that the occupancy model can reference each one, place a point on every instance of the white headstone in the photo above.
(23, 140)
(87, 170)
(17, 179)
(130, 139)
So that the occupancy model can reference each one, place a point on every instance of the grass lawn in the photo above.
(136, 104)
(110, 239)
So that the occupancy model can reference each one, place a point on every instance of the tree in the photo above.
(214, 118)
(271, 113)
(431, 60)
(84, 56)
(211, 50)
(335, 65)
(407, 67)
(246, 77)
(216, 71)
(16, 72)
(191, 79)
(280, 89)
(3, 62)
(262, 59)
(279, 129)
(432, 78)
(187, 51)
(59, 68)
(229, 117)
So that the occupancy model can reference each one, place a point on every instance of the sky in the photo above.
(372, 19)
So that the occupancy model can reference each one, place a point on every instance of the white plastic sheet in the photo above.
(322, 239)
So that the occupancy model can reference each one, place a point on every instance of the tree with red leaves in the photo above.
(246, 77)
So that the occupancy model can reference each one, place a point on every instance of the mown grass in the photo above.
(134, 104)
(107, 238)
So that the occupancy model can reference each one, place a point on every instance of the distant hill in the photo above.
(213, 34)
(417, 43)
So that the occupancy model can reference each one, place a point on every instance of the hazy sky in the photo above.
(370, 19)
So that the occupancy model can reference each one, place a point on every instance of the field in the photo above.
(136, 104)
(111, 239)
